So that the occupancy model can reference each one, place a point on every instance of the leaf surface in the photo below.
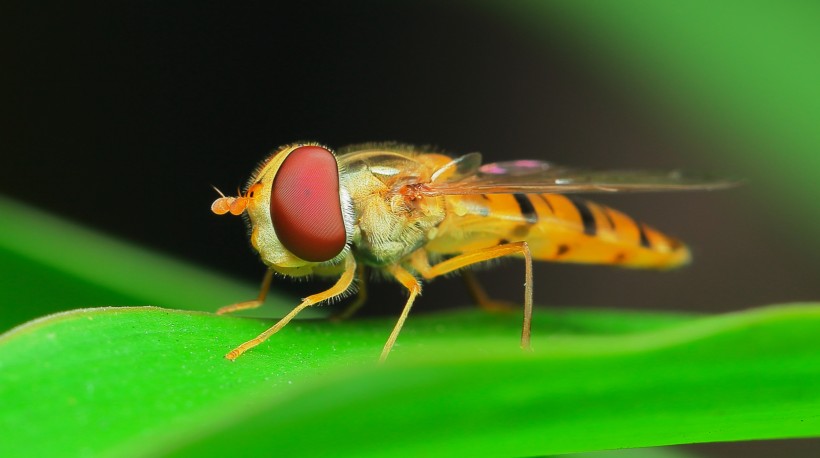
(144, 381)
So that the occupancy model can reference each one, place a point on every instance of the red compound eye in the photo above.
(305, 207)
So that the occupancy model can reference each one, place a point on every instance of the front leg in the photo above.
(263, 293)
(341, 286)
(361, 296)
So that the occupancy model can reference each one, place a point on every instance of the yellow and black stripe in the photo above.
(567, 229)
(526, 208)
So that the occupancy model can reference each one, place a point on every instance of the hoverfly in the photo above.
(414, 213)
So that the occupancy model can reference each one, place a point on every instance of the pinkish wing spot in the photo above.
(528, 163)
(492, 169)
(519, 167)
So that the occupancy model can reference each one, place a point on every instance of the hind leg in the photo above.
(480, 296)
(421, 264)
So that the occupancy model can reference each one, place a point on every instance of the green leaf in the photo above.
(146, 381)
(55, 265)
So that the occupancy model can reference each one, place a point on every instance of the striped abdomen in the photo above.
(557, 228)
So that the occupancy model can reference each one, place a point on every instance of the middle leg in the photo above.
(414, 287)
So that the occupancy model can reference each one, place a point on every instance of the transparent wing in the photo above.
(459, 168)
(529, 176)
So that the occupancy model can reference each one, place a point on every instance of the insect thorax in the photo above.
(389, 225)
(389, 228)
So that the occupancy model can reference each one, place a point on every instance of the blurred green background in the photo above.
(121, 116)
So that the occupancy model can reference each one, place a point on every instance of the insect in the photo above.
(416, 214)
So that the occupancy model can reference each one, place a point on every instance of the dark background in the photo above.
(121, 115)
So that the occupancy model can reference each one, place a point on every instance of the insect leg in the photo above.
(412, 284)
(485, 254)
(340, 287)
(361, 296)
(481, 297)
(263, 292)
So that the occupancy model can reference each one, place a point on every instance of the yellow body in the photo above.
(556, 227)
(412, 214)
